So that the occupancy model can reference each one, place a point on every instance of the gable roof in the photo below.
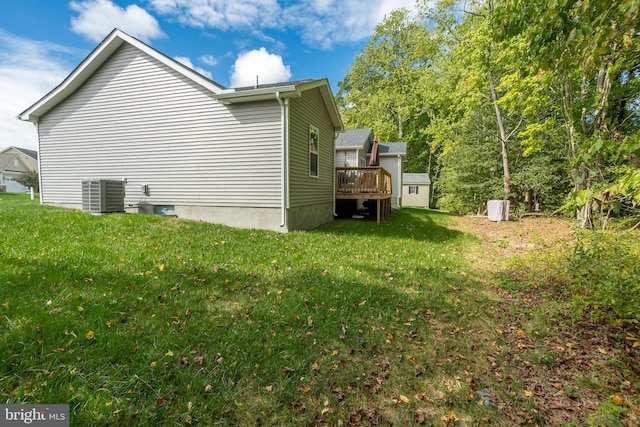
(282, 90)
(117, 38)
(392, 148)
(6, 163)
(96, 58)
(415, 178)
(5, 160)
(30, 153)
(354, 138)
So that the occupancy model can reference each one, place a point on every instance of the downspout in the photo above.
(399, 185)
(333, 179)
(39, 162)
(284, 157)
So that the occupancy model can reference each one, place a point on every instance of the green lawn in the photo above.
(134, 319)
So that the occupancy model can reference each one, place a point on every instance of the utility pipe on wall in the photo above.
(284, 157)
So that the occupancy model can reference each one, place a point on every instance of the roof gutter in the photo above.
(284, 158)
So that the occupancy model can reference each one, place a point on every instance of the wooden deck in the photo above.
(366, 183)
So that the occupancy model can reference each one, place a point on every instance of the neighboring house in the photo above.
(353, 148)
(256, 157)
(393, 155)
(15, 161)
(416, 190)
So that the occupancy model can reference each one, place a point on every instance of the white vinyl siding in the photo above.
(418, 199)
(347, 158)
(390, 163)
(136, 118)
(303, 189)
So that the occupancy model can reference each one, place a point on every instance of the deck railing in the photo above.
(359, 180)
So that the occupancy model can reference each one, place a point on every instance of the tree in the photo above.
(467, 84)
(379, 89)
(590, 50)
(29, 179)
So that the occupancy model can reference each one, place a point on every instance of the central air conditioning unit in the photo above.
(103, 195)
(498, 210)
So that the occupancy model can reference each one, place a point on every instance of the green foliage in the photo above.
(605, 276)
(379, 91)
(607, 415)
(470, 174)
(29, 179)
(588, 53)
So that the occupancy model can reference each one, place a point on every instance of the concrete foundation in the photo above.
(298, 218)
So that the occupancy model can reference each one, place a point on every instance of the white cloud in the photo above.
(96, 19)
(29, 69)
(325, 23)
(221, 14)
(267, 66)
(320, 23)
(210, 60)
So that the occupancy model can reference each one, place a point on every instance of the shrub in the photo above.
(29, 179)
(604, 274)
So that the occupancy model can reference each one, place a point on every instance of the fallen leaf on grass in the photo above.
(636, 340)
(527, 393)
(160, 401)
(422, 397)
(617, 400)
(404, 398)
(420, 416)
(450, 419)
(89, 335)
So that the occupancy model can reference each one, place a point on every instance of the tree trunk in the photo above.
(503, 139)
(578, 174)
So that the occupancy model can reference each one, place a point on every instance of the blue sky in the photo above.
(229, 41)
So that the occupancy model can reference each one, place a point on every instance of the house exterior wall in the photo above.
(310, 197)
(27, 163)
(16, 165)
(422, 199)
(390, 163)
(9, 184)
(138, 119)
(347, 158)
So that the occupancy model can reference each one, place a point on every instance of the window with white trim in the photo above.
(314, 148)
(413, 189)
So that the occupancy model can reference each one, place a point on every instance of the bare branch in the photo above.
(515, 128)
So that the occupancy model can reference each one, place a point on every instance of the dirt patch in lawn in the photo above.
(570, 370)
(505, 239)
